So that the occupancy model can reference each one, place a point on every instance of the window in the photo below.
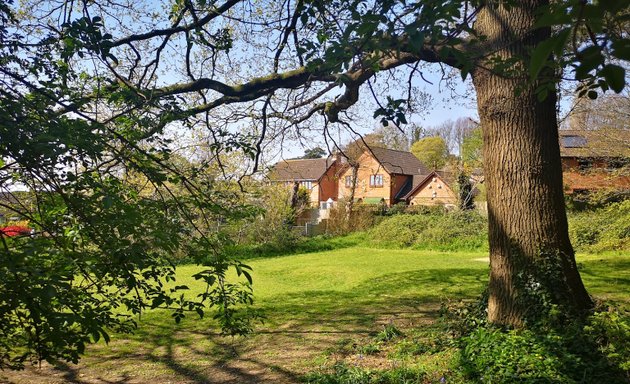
(348, 181)
(306, 184)
(376, 180)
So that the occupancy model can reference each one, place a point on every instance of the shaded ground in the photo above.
(278, 355)
(306, 328)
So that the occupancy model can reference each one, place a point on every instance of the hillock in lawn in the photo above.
(333, 310)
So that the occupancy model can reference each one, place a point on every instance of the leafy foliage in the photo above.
(471, 151)
(107, 205)
(443, 231)
(602, 229)
(592, 351)
(344, 374)
(432, 151)
(314, 153)
(590, 39)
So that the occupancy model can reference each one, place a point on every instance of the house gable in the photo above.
(434, 189)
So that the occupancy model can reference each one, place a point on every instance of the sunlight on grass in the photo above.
(316, 305)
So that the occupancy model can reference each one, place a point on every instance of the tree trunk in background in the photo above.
(523, 173)
(294, 202)
(350, 203)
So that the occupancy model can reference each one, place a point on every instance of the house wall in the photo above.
(593, 180)
(596, 177)
(315, 195)
(444, 195)
(367, 166)
(329, 184)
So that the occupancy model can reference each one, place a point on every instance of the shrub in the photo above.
(603, 229)
(443, 231)
(495, 356)
(594, 352)
(344, 374)
(552, 349)
(362, 218)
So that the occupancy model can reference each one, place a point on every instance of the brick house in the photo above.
(318, 176)
(434, 189)
(383, 175)
(595, 159)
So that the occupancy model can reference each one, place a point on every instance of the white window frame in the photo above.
(376, 181)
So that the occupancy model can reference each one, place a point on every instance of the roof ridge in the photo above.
(389, 149)
(319, 158)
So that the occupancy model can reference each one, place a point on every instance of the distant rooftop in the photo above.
(400, 162)
(595, 143)
(300, 169)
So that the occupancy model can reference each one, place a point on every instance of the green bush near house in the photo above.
(602, 229)
(458, 230)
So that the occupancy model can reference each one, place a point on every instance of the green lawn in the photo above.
(319, 307)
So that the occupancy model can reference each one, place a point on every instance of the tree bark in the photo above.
(527, 217)
(350, 203)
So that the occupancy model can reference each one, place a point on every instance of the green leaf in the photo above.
(543, 51)
(615, 77)
(248, 276)
(621, 49)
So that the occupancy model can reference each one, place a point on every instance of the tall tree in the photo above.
(453, 132)
(471, 151)
(393, 137)
(325, 56)
(314, 153)
(432, 151)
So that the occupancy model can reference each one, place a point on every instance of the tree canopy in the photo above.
(431, 150)
(314, 153)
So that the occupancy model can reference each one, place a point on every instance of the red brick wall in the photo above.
(329, 186)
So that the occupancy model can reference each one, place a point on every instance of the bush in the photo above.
(595, 351)
(495, 356)
(443, 231)
(603, 229)
(344, 374)
(362, 218)
(552, 349)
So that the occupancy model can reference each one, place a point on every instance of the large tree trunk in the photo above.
(527, 218)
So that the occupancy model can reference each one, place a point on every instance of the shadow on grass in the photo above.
(299, 328)
(608, 277)
(417, 292)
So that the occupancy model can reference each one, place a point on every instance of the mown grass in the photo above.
(322, 309)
